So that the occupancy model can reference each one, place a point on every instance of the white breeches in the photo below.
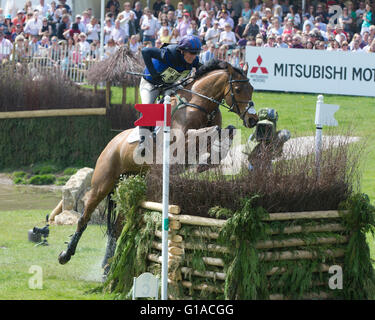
(148, 93)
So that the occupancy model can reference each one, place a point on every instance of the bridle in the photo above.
(233, 108)
(250, 104)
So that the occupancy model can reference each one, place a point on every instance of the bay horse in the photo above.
(213, 83)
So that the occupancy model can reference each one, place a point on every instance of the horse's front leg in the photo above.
(102, 184)
(93, 201)
(65, 256)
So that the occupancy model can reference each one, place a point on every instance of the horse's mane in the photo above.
(213, 65)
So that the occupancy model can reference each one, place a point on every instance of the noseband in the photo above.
(234, 107)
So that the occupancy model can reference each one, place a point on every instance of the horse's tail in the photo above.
(111, 214)
(111, 243)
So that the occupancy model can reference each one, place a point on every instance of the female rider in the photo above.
(167, 65)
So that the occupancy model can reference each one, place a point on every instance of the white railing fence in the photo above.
(72, 61)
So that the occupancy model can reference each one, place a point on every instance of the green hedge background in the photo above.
(64, 141)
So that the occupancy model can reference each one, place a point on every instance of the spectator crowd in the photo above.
(50, 30)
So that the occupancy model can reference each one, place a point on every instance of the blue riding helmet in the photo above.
(190, 44)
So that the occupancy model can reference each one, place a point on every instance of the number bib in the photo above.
(171, 75)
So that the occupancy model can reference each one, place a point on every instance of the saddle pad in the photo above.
(134, 136)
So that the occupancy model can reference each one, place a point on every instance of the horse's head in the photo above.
(239, 95)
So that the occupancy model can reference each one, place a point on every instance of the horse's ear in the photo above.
(245, 68)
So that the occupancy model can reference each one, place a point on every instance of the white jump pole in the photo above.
(318, 133)
(324, 116)
(165, 220)
(102, 12)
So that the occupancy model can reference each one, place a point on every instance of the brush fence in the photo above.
(178, 245)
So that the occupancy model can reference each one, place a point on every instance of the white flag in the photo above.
(325, 114)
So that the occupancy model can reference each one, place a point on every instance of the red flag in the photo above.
(152, 113)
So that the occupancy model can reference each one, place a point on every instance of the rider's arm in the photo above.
(148, 54)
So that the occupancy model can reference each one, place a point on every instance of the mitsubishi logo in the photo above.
(262, 69)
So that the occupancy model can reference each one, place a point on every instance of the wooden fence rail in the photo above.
(53, 113)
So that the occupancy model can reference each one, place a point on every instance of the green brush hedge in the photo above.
(64, 141)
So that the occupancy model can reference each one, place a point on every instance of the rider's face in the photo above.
(189, 57)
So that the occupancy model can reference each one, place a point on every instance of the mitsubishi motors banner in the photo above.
(312, 71)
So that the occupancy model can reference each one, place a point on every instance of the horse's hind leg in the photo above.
(109, 253)
(113, 235)
(96, 195)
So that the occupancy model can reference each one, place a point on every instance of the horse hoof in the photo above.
(64, 257)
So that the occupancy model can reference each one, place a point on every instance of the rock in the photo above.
(67, 218)
(75, 195)
(76, 187)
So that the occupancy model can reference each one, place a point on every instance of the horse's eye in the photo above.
(237, 89)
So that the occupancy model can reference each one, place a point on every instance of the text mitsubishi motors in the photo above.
(311, 71)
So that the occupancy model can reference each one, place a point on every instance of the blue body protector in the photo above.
(167, 62)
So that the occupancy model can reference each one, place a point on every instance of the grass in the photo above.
(72, 281)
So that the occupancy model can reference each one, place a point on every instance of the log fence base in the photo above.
(290, 249)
